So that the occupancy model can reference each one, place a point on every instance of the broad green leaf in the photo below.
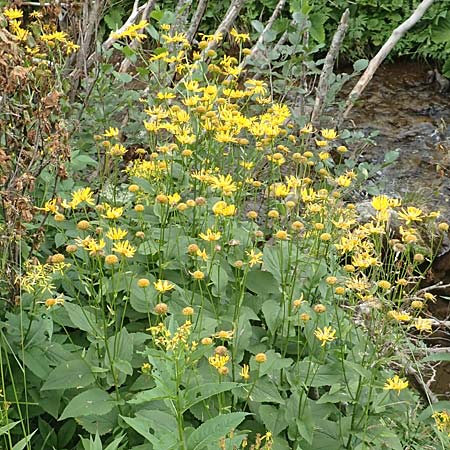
(272, 311)
(273, 418)
(213, 429)
(140, 425)
(317, 29)
(265, 391)
(360, 65)
(71, 374)
(82, 319)
(262, 282)
(93, 402)
(199, 393)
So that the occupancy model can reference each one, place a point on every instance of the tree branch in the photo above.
(375, 62)
(328, 65)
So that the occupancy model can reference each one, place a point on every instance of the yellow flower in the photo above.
(50, 206)
(399, 316)
(117, 150)
(174, 199)
(328, 133)
(239, 37)
(124, 248)
(202, 254)
(411, 214)
(395, 384)
(255, 258)
(380, 203)
(422, 324)
(218, 361)
(210, 235)
(325, 335)
(163, 286)
(116, 234)
(80, 196)
(442, 421)
(198, 275)
(223, 183)
(13, 13)
(307, 129)
(112, 212)
(111, 132)
(132, 32)
(245, 372)
(221, 208)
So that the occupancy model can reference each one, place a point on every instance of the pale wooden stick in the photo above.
(327, 69)
(225, 25)
(375, 62)
(196, 19)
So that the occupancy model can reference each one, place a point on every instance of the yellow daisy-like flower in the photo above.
(422, 324)
(13, 13)
(325, 335)
(254, 258)
(221, 208)
(395, 384)
(124, 248)
(112, 212)
(245, 372)
(223, 183)
(328, 133)
(399, 316)
(81, 195)
(111, 132)
(116, 234)
(163, 286)
(411, 214)
(218, 361)
(210, 235)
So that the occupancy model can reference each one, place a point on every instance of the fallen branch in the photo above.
(324, 84)
(375, 62)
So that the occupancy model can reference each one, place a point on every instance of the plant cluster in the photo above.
(213, 286)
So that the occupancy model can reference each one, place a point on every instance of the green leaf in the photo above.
(71, 374)
(199, 393)
(265, 391)
(273, 418)
(141, 426)
(213, 429)
(23, 442)
(441, 31)
(5, 428)
(93, 402)
(123, 77)
(317, 29)
(219, 277)
(360, 65)
(83, 319)
(262, 282)
(271, 310)
(391, 156)
(437, 357)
